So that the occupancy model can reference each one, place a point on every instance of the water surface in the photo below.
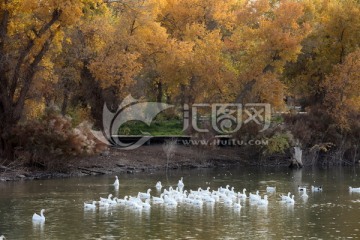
(331, 214)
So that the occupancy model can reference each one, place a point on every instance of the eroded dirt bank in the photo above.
(144, 159)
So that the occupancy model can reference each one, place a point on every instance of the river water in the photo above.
(333, 213)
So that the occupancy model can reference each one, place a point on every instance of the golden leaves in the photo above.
(34, 108)
(117, 69)
(212, 47)
(342, 87)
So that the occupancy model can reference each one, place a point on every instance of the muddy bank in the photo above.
(147, 158)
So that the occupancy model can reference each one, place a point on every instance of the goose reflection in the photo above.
(38, 226)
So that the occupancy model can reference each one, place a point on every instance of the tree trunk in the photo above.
(246, 89)
(93, 92)
(187, 100)
(65, 102)
(296, 160)
(96, 96)
(6, 148)
(17, 70)
(159, 92)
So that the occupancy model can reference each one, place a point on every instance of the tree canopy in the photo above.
(78, 54)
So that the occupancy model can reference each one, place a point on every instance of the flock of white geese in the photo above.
(172, 197)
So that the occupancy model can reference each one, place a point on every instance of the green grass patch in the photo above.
(157, 128)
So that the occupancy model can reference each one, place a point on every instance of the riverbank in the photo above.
(147, 158)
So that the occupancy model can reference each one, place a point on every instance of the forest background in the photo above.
(60, 61)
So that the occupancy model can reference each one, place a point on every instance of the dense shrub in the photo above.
(326, 141)
(47, 142)
(279, 143)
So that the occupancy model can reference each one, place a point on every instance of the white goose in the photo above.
(290, 200)
(2, 237)
(208, 199)
(137, 206)
(237, 205)
(170, 201)
(129, 202)
(224, 190)
(263, 202)
(113, 201)
(106, 199)
(197, 201)
(158, 186)
(146, 205)
(231, 193)
(103, 204)
(181, 183)
(316, 188)
(90, 205)
(243, 194)
(357, 190)
(136, 199)
(270, 189)
(304, 195)
(158, 200)
(284, 197)
(227, 201)
(122, 201)
(215, 196)
(255, 197)
(144, 195)
(301, 188)
(40, 217)
(116, 183)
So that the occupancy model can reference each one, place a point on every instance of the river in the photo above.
(333, 213)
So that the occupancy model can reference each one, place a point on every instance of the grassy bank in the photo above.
(157, 128)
